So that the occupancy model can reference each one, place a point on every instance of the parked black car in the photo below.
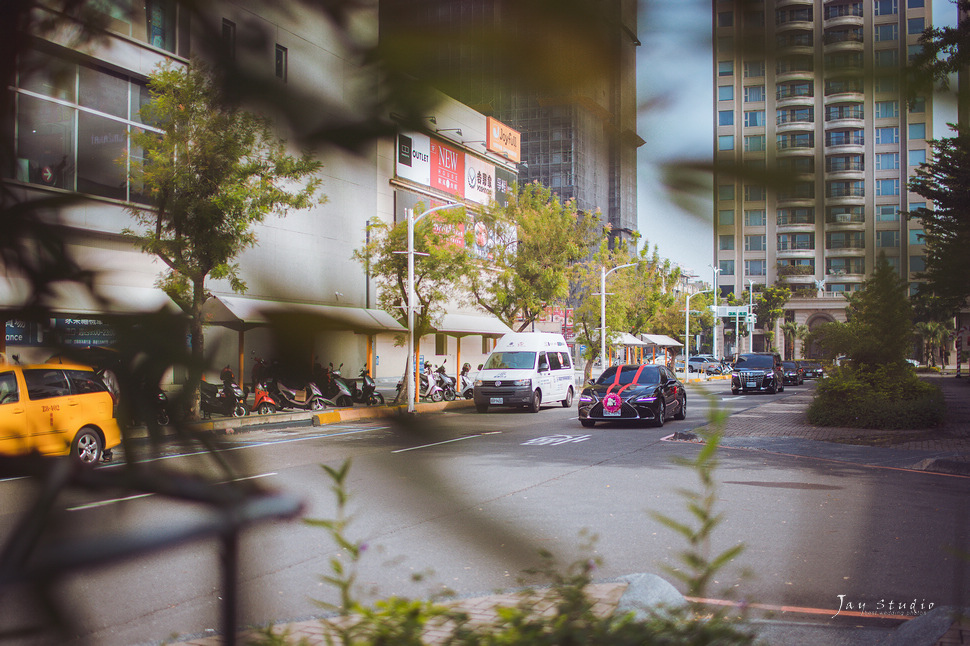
(811, 369)
(633, 392)
(793, 373)
(757, 371)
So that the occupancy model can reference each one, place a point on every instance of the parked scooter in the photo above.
(466, 383)
(429, 387)
(227, 400)
(446, 383)
(263, 402)
(344, 392)
(368, 391)
(305, 397)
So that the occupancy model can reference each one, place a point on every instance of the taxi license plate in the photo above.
(496, 400)
(751, 384)
(608, 413)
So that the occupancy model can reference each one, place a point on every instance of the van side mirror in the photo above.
(543, 367)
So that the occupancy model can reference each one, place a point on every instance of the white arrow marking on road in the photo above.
(555, 440)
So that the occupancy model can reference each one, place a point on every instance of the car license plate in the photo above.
(611, 413)
(751, 384)
(496, 400)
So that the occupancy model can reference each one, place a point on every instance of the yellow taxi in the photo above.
(56, 409)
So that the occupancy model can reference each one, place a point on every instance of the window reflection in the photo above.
(45, 146)
(150, 21)
(101, 148)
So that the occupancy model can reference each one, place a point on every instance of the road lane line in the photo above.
(111, 501)
(425, 446)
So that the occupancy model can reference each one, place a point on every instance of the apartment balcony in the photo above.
(843, 21)
(795, 151)
(783, 226)
(794, 126)
(787, 3)
(846, 123)
(854, 147)
(853, 172)
(794, 100)
(847, 95)
(796, 201)
(794, 75)
(794, 25)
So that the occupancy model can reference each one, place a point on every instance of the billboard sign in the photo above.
(447, 169)
(479, 180)
(503, 140)
(414, 158)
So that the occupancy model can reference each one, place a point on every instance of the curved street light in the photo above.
(603, 275)
(412, 373)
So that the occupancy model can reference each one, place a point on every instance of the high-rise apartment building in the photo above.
(578, 138)
(811, 90)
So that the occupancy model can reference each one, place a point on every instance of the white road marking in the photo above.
(425, 446)
(556, 440)
(111, 501)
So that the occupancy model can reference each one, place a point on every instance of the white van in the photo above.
(526, 369)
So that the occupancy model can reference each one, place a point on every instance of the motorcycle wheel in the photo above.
(317, 404)
(239, 410)
(436, 396)
(344, 402)
(449, 395)
(162, 418)
(469, 394)
(376, 399)
(266, 408)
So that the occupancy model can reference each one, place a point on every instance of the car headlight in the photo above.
(586, 398)
(522, 382)
(478, 382)
(735, 374)
(646, 399)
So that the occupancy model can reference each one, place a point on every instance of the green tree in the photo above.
(945, 183)
(213, 172)
(789, 330)
(880, 319)
(769, 306)
(538, 238)
(933, 336)
(440, 268)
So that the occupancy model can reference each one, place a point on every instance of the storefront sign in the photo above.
(503, 140)
(447, 169)
(479, 180)
(414, 158)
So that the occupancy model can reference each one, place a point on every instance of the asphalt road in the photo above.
(462, 502)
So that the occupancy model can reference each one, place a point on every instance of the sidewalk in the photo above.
(777, 425)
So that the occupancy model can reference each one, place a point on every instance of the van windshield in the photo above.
(510, 361)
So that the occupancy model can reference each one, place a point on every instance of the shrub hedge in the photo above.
(884, 397)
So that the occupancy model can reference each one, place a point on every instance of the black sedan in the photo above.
(633, 392)
(793, 373)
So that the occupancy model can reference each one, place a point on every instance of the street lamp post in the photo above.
(687, 328)
(411, 370)
(603, 275)
(750, 314)
(717, 319)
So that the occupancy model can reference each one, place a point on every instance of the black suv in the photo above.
(757, 371)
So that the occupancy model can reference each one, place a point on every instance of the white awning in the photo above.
(468, 324)
(74, 299)
(241, 313)
(661, 340)
(625, 338)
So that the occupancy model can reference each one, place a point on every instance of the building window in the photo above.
(887, 161)
(149, 21)
(73, 135)
(754, 267)
(725, 117)
(725, 142)
(725, 243)
(884, 7)
(725, 192)
(845, 214)
(725, 19)
(796, 242)
(887, 187)
(917, 157)
(754, 143)
(754, 118)
(916, 237)
(845, 188)
(917, 131)
(886, 84)
(915, 206)
(755, 243)
(915, 26)
(917, 264)
(912, 51)
(844, 111)
(754, 218)
(754, 69)
(888, 31)
(887, 213)
(845, 240)
(794, 89)
(725, 92)
(229, 39)
(799, 14)
(887, 109)
(725, 68)
(795, 140)
(840, 10)
(282, 62)
(795, 115)
(887, 238)
(798, 215)
(725, 217)
(839, 266)
(754, 193)
(888, 135)
(886, 57)
(914, 4)
(838, 163)
(918, 104)
(844, 137)
(754, 93)
(726, 267)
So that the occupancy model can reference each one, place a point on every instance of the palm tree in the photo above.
(933, 335)
(789, 330)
